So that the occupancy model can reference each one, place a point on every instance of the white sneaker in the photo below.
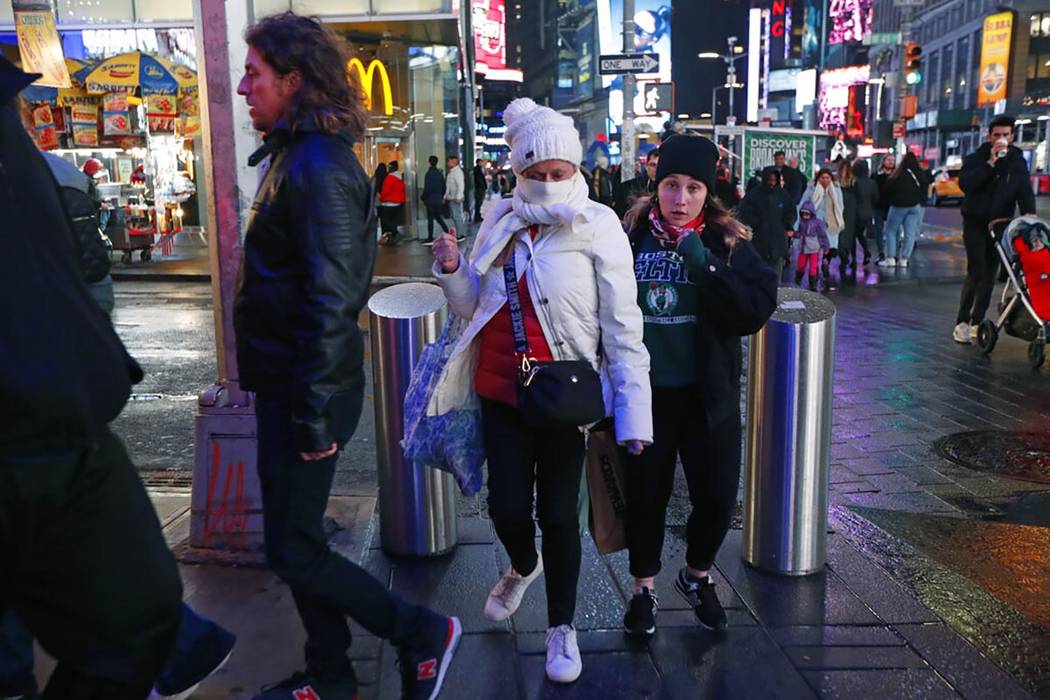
(506, 595)
(888, 262)
(903, 262)
(563, 656)
(961, 334)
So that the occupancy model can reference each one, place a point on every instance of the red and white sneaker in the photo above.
(425, 663)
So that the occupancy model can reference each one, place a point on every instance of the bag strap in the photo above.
(517, 318)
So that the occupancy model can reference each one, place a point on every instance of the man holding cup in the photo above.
(995, 181)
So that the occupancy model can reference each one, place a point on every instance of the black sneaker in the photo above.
(184, 671)
(701, 596)
(641, 613)
(423, 666)
(307, 686)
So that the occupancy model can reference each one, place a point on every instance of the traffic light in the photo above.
(912, 63)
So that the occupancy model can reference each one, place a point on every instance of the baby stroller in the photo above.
(1025, 306)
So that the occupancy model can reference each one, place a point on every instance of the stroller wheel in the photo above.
(1036, 354)
(987, 336)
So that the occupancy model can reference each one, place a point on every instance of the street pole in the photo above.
(226, 506)
(731, 74)
(714, 109)
(627, 150)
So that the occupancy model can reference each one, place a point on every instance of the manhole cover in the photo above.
(1015, 455)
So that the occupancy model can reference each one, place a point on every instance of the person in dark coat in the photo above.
(867, 195)
(480, 189)
(701, 286)
(996, 183)
(79, 537)
(886, 167)
(794, 181)
(309, 249)
(769, 212)
(628, 193)
(433, 198)
(848, 237)
(906, 191)
(726, 188)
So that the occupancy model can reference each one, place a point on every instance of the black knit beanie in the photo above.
(684, 154)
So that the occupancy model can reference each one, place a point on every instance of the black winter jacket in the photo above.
(433, 188)
(64, 373)
(880, 178)
(82, 202)
(769, 213)
(908, 189)
(992, 193)
(739, 294)
(309, 248)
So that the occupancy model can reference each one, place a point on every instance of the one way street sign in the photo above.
(615, 64)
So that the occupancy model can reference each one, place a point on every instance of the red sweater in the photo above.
(496, 378)
(393, 190)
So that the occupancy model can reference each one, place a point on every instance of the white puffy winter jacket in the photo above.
(581, 281)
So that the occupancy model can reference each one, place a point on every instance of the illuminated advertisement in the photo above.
(840, 98)
(490, 40)
(995, 58)
(652, 34)
(812, 30)
(850, 20)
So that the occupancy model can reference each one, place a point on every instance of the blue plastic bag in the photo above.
(451, 441)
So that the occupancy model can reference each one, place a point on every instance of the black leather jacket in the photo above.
(309, 248)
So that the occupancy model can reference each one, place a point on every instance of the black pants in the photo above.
(711, 460)
(434, 214)
(865, 232)
(521, 458)
(479, 199)
(982, 263)
(326, 587)
(86, 568)
(391, 217)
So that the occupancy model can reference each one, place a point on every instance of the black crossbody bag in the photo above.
(558, 394)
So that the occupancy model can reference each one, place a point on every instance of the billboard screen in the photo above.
(995, 58)
(850, 20)
(835, 99)
(489, 18)
(652, 34)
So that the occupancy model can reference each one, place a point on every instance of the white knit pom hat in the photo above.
(536, 133)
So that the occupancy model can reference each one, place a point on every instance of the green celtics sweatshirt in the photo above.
(670, 301)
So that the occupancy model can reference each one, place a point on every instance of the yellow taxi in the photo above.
(945, 186)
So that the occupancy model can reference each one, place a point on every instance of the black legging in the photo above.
(522, 458)
(711, 461)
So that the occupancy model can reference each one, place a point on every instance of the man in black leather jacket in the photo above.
(308, 254)
(995, 181)
(78, 534)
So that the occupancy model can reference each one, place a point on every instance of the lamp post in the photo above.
(730, 60)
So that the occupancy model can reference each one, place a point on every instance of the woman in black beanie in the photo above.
(701, 287)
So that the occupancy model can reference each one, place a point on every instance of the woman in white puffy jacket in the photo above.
(578, 299)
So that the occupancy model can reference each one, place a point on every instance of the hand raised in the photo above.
(446, 251)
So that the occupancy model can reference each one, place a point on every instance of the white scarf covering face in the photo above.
(517, 214)
(833, 215)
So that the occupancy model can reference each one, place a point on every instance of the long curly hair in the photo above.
(292, 43)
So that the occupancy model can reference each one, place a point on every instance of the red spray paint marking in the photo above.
(226, 518)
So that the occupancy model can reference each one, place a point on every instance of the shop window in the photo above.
(406, 6)
(962, 55)
(1033, 61)
(1043, 70)
(94, 11)
(331, 7)
(1039, 24)
(262, 8)
(163, 10)
(1033, 29)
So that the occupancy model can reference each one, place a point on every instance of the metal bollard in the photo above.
(417, 506)
(790, 368)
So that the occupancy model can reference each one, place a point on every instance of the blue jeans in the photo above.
(908, 217)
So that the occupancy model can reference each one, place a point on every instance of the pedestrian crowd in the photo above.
(585, 307)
